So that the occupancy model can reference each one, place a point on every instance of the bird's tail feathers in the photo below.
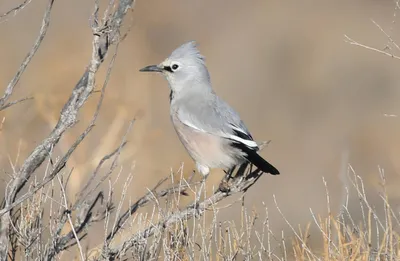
(261, 163)
(253, 157)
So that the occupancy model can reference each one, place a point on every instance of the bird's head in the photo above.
(184, 68)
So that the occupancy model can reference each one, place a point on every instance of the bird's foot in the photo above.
(197, 212)
(198, 197)
(224, 186)
(198, 194)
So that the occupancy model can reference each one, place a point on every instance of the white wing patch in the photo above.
(249, 143)
(192, 126)
(238, 129)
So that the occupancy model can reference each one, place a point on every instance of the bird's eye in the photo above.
(175, 67)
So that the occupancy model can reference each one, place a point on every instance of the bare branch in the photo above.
(107, 174)
(14, 10)
(62, 162)
(43, 30)
(5, 106)
(353, 42)
(387, 35)
(143, 201)
(245, 178)
(64, 195)
(84, 205)
(103, 36)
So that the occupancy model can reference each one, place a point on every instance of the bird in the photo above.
(209, 128)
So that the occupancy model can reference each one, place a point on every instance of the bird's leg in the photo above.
(204, 170)
(224, 184)
(202, 186)
(198, 196)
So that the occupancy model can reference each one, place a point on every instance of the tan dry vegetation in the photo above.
(283, 65)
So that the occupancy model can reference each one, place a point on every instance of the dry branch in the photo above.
(27, 60)
(14, 10)
(244, 178)
(104, 34)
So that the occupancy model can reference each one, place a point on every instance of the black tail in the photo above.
(253, 157)
(261, 163)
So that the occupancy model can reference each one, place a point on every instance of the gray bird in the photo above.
(211, 131)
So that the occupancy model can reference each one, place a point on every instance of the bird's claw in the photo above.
(197, 212)
(224, 186)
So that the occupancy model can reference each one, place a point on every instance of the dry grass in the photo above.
(344, 238)
(204, 237)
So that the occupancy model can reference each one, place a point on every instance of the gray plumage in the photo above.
(211, 131)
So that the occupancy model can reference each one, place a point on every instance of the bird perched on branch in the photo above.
(211, 131)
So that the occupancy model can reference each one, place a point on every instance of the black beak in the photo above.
(151, 68)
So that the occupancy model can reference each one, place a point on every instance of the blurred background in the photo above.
(283, 65)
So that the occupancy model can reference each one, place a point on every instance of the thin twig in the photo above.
(386, 34)
(237, 184)
(9, 104)
(19, 179)
(353, 42)
(103, 37)
(64, 196)
(14, 10)
(61, 163)
(110, 170)
(42, 33)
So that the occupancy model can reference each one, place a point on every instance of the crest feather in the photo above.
(187, 51)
